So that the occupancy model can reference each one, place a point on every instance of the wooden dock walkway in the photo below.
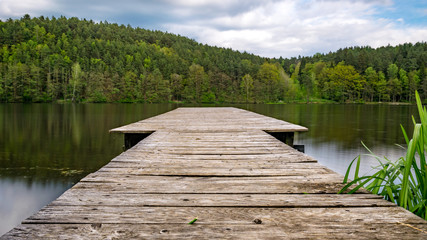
(219, 165)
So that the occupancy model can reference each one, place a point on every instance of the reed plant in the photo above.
(404, 181)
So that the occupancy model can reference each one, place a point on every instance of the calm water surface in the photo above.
(46, 148)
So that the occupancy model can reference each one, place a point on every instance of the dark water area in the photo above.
(46, 148)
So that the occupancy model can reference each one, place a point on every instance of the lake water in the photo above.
(46, 148)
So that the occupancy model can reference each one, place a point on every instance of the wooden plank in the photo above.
(300, 230)
(207, 139)
(291, 157)
(189, 151)
(213, 181)
(107, 198)
(173, 185)
(205, 171)
(184, 163)
(221, 215)
(212, 145)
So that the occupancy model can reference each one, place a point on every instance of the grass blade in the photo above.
(410, 155)
(348, 169)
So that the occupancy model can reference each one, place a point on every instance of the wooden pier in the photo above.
(224, 167)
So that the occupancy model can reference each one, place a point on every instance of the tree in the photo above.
(221, 85)
(394, 88)
(403, 84)
(269, 85)
(128, 90)
(423, 82)
(162, 89)
(414, 81)
(308, 80)
(76, 73)
(392, 71)
(176, 86)
(371, 78)
(247, 86)
(346, 82)
(381, 87)
(195, 83)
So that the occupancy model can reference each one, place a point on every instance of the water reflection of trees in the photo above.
(346, 124)
(66, 141)
(63, 141)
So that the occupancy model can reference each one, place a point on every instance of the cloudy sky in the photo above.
(270, 28)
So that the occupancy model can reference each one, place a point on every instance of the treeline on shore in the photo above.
(55, 59)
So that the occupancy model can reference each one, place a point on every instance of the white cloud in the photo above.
(200, 3)
(400, 20)
(14, 8)
(290, 28)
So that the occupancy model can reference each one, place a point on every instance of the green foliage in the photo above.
(208, 97)
(76, 73)
(392, 71)
(345, 81)
(39, 59)
(403, 182)
(383, 73)
(246, 87)
(44, 59)
(268, 79)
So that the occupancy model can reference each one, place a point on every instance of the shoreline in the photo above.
(215, 103)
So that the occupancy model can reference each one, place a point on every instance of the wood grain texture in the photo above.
(220, 165)
(206, 171)
(210, 120)
(85, 198)
(218, 215)
(356, 230)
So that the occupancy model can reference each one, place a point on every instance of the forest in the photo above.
(77, 60)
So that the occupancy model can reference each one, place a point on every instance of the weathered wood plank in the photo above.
(222, 215)
(214, 145)
(219, 181)
(357, 230)
(216, 151)
(197, 185)
(291, 157)
(184, 163)
(107, 198)
(224, 171)
(185, 138)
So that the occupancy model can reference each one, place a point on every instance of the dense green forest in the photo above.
(55, 59)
